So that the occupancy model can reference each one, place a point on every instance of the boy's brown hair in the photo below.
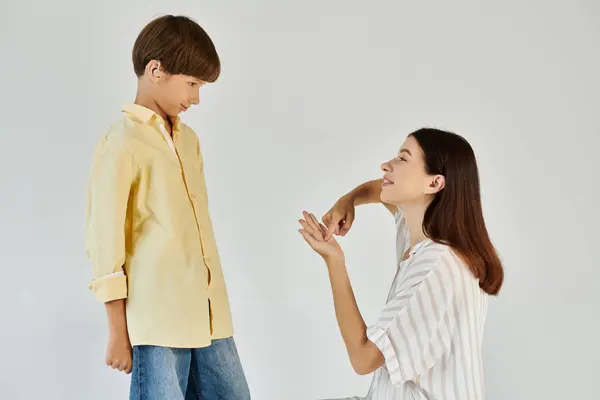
(182, 47)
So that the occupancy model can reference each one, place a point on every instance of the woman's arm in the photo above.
(340, 217)
(368, 193)
(364, 355)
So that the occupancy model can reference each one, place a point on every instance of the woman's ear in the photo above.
(436, 184)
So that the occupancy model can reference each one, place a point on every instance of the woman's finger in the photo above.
(309, 239)
(314, 221)
(347, 224)
(318, 228)
(327, 218)
(306, 227)
(333, 225)
(313, 224)
(324, 231)
(309, 219)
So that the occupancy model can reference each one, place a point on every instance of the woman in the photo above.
(427, 342)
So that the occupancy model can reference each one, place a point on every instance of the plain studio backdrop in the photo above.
(314, 95)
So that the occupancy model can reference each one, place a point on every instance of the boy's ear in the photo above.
(153, 70)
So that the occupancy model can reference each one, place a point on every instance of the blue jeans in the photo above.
(208, 373)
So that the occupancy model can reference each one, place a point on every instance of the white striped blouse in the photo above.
(431, 328)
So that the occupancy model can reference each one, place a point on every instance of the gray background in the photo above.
(314, 96)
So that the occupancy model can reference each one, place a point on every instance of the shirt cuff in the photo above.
(110, 287)
(381, 339)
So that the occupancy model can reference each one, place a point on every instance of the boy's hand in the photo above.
(118, 353)
(340, 218)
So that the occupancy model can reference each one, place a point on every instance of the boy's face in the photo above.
(176, 93)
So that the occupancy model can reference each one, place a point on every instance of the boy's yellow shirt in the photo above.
(149, 235)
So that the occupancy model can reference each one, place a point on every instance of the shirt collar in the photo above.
(418, 246)
(146, 115)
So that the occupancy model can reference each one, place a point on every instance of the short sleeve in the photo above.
(418, 323)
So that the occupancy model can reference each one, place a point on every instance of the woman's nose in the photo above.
(386, 167)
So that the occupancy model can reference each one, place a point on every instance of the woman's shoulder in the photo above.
(432, 253)
(443, 261)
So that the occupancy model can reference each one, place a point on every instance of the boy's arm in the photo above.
(108, 194)
(118, 351)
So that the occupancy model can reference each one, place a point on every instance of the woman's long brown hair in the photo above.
(455, 216)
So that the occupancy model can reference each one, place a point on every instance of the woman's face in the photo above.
(405, 180)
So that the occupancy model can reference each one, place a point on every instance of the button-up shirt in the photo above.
(149, 235)
(430, 331)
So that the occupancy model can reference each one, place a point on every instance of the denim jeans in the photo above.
(351, 398)
(208, 373)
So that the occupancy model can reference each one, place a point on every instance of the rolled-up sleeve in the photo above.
(107, 198)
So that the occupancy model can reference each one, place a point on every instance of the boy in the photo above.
(149, 234)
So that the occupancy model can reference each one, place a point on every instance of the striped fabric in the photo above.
(431, 328)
